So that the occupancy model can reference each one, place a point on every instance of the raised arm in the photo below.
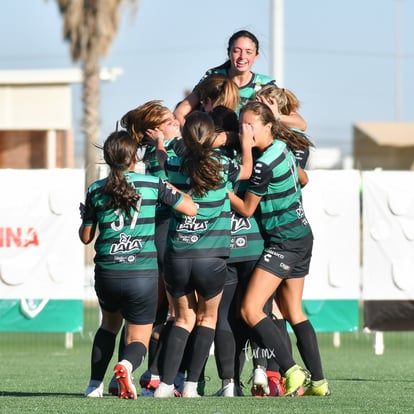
(246, 143)
(293, 120)
(187, 105)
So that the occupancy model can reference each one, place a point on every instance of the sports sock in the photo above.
(135, 353)
(121, 345)
(102, 350)
(259, 354)
(307, 344)
(173, 350)
(281, 324)
(155, 357)
(242, 348)
(269, 337)
(224, 352)
(202, 340)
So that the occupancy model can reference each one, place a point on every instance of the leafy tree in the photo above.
(90, 27)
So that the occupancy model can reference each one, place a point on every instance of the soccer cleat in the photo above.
(94, 391)
(148, 383)
(228, 389)
(319, 389)
(276, 384)
(190, 390)
(260, 387)
(113, 387)
(145, 379)
(164, 390)
(127, 388)
(296, 379)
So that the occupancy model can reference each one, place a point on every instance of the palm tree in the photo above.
(90, 26)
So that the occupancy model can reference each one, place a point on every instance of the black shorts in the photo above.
(288, 259)
(240, 273)
(206, 276)
(135, 297)
(161, 232)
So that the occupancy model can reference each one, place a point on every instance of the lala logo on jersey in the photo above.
(239, 223)
(191, 224)
(126, 244)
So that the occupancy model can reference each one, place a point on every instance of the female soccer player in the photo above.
(122, 208)
(242, 52)
(274, 188)
(196, 251)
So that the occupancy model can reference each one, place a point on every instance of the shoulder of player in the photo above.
(263, 80)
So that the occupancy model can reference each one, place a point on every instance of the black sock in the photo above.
(173, 353)
(259, 354)
(281, 324)
(202, 377)
(156, 360)
(153, 353)
(102, 350)
(135, 353)
(187, 353)
(224, 352)
(242, 349)
(269, 337)
(121, 345)
(203, 338)
(308, 348)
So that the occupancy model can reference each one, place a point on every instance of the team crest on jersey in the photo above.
(126, 244)
(191, 224)
(239, 223)
(238, 242)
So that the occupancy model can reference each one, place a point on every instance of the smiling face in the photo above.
(243, 54)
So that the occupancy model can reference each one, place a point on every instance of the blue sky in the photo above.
(342, 59)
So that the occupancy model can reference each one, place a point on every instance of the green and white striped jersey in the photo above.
(275, 180)
(128, 243)
(208, 233)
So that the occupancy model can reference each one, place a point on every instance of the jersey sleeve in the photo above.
(168, 195)
(178, 146)
(302, 157)
(233, 170)
(260, 179)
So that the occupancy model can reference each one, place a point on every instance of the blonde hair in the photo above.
(220, 89)
(286, 100)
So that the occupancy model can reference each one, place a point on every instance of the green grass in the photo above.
(40, 375)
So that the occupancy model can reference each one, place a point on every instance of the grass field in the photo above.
(38, 375)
